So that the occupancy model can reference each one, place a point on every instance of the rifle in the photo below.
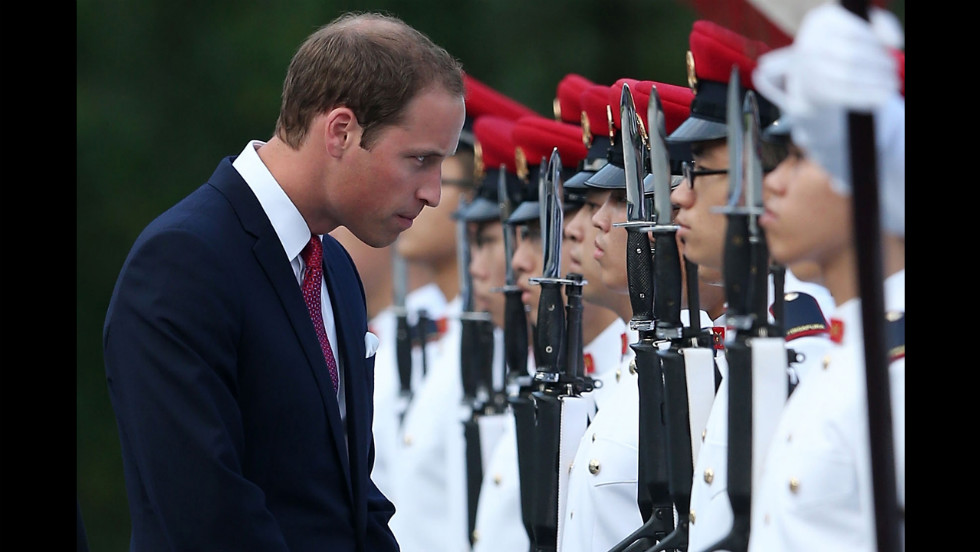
(653, 493)
(476, 364)
(515, 317)
(756, 359)
(552, 411)
(403, 332)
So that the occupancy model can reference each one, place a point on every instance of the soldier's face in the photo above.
(581, 249)
(488, 269)
(610, 243)
(528, 262)
(701, 230)
(805, 219)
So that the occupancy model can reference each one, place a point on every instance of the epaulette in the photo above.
(802, 316)
(895, 335)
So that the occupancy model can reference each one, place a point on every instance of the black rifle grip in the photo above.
(549, 346)
(639, 271)
(737, 265)
(515, 334)
(667, 275)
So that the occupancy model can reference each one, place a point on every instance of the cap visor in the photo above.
(695, 129)
(526, 211)
(578, 179)
(481, 209)
(609, 177)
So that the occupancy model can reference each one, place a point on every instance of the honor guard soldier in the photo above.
(430, 492)
(498, 515)
(818, 489)
(714, 51)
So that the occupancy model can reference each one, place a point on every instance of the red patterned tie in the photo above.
(313, 257)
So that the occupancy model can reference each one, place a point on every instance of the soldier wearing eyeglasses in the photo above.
(714, 51)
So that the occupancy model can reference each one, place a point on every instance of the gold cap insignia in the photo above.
(479, 169)
(521, 160)
(586, 130)
(556, 107)
(692, 77)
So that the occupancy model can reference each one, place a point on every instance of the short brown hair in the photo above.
(372, 63)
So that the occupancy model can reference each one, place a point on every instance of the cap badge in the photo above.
(586, 130)
(479, 170)
(556, 107)
(521, 161)
(692, 77)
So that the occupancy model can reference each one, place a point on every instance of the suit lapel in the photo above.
(270, 256)
(346, 296)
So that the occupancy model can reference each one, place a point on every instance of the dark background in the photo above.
(165, 89)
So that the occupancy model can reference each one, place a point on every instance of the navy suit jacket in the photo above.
(230, 430)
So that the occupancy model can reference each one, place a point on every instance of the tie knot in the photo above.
(313, 252)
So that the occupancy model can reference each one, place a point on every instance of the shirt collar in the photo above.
(289, 224)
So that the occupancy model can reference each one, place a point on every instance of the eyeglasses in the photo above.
(690, 172)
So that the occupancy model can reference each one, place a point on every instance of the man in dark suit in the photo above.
(244, 413)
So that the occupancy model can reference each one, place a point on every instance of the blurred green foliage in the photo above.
(165, 89)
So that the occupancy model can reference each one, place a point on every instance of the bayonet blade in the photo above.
(735, 137)
(632, 158)
(753, 157)
(552, 215)
(659, 159)
(503, 201)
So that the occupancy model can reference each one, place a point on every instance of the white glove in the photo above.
(839, 63)
(843, 60)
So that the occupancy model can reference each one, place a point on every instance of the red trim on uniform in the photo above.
(589, 364)
(836, 330)
(718, 337)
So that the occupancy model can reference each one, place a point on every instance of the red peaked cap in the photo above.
(640, 90)
(594, 100)
(714, 50)
(675, 100)
(495, 142)
(483, 100)
(612, 174)
(494, 147)
(568, 103)
(535, 138)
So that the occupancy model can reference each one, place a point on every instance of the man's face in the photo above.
(432, 237)
(581, 234)
(701, 230)
(804, 220)
(610, 241)
(378, 193)
(488, 268)
(528, 262)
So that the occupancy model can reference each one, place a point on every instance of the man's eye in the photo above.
(420, 158)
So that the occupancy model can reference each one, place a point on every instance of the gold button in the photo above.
(691, 517)
(476, 535)
(826, 362)
(709, 476)
(704, 433)
(593, 466)
(497, 479)
(794, 485)
(633, 367)
(593, 437)
(407, 440)
(619, 374)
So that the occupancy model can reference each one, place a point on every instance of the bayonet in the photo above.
(403, 330)
(639, 260)
(515, 317)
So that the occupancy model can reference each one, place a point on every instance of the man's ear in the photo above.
(341, 131)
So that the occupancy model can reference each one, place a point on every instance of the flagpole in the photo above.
(867, 229)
